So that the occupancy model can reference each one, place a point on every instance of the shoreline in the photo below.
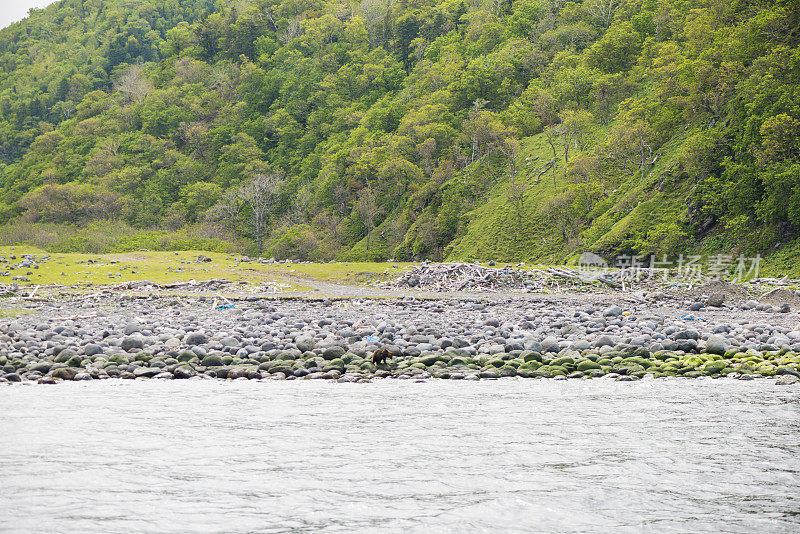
(622, 336)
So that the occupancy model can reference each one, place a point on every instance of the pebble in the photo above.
(334, 341)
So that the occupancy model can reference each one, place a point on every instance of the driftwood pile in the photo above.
(203, 286)
(471, 277)
(442, 277)
(461, 277)
(190, 285)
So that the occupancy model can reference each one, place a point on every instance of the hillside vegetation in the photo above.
(319, 129)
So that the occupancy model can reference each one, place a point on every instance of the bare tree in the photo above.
(133, 84)
(260, 194)
(293, 29)
(426, 150)
(510, 149)
(231, 206)
(602, 10)
(561, 210)
(515, 196)
(367, 209)
(477, 106)
(545, 109)
(630, 146)
(301, 205)
(225, 78)
(373, 11)
(573, 130)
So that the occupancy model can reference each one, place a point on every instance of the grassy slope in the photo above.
(633, 207)
(166, 267)
(491, 228)
(783, 262)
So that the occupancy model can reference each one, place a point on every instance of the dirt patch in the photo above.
(783, 296)
(732, 292)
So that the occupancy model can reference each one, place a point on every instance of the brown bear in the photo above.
(380, 356)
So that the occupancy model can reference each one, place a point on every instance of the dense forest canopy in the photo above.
(324, 129)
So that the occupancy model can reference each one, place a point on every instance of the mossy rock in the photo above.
(63, 356)
(530, 366)
(284, 368)
(186, 356)
(497, 362)
(490, 372)
(348, 357)
(628, 368)
(143, 357)
(713, 368)
(693, 374)
(507, 371)
(332, 353)
(605, 362)
(212, 360)
(457, 360)
(75, 361)
(286, 356)
(586, 365)
(563, 361)
(118, 358)
(368, 366)
(637, 360)
(532, 356)
(514, 363)
(694, 361)
(662, 355)
(553, 370)
(428, 360)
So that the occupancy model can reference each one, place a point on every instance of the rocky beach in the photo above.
(712, 331)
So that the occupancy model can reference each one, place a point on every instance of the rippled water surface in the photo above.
(508, 455)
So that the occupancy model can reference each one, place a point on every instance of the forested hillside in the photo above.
(318, 129)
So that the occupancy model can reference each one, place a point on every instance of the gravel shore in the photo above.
(569, 336)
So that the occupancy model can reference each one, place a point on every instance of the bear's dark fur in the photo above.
(380, 356)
